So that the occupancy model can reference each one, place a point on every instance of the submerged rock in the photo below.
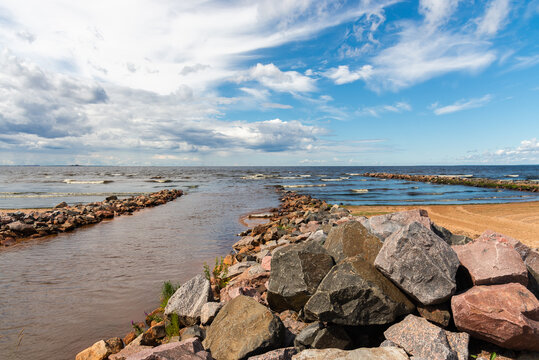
(188, 300)
(420, 263)
(296, 271)
(227, 337)
(506, 315)
(355, 293)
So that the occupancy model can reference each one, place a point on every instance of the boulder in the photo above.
(188, 300)
(492, 262)
(132, 348)
(296, 271)
(355, 293)
(209, 311)
(318, 336)
(190, 349)
(252, 286)
(385, 225)
(381, 353)
(243, 328)
(246, 241)
(192, 331)
(421, 338)
(459, 342)
(318, 237)
(239, 268)
(152, 336)
(351, 239)
(489, 235)
(420, 263)
(21, 227)
(114, 345)
(98, 351)
(279, 354)
(506, 315)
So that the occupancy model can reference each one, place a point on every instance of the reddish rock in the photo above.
(266, 263)
(129, 338)
(490, 235)
(279, 354)
(253, 286)
(310, 227)
(506, 315)
(492, 262)
(186, 350)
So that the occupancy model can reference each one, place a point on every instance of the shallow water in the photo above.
(68, 291)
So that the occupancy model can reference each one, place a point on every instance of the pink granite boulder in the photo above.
(190, 349)
(492, 262)
(506, 315)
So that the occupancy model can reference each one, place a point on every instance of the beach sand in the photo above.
(518, 220)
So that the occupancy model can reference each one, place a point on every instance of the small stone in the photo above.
(188, 300)
(152, 336)
(438, 314)
(209, 311)
(421, 338)
(459, 342)
(97, 351)
(266, 263)
(279, 354)
(190, 349)
(114, 345)
(192, 331)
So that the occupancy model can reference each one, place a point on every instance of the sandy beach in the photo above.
(518, 220)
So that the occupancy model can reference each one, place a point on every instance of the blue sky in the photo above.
(269, 82)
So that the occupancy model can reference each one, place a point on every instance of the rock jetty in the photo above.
(520, 185)
(18, 225)
(316, 282)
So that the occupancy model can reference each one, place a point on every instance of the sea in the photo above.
(61, 294)
(46, 186)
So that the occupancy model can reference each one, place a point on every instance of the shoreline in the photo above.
(519, 220)
(22, 224)
(309, 230)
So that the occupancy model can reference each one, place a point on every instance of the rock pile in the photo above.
(18, 225)
(316, 282)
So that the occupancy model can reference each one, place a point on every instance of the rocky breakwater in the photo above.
(316, 282)
(521, 185)
(16, 226)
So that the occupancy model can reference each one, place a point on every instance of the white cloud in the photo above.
(276, 106)
(494, 17)
(523, 62)
(527, 148)
(376, 111)
(526, 153)
(273, 78)
(461, 105)
(343, 75)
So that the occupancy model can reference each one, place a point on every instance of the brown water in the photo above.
(67, 292)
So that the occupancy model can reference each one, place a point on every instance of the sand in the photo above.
(518, 220)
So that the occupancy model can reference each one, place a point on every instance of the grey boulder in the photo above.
(318, 336)
(420, 263)
(209, 311)
(350, 239)
(355, 293)
(188, 300)
(384, 226)
(296, 271)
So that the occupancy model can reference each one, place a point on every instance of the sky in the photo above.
(304, 82)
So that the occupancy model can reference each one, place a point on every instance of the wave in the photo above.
(258, 177)
(353, 174)
(512, 175)
(71, 181)
(304, 186)
(161, 181)
(361, 191)
(339, 179)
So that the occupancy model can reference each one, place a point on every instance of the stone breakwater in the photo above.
(18, 225)
(316, 282)
(520, 185)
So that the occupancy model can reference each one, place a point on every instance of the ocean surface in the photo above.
(60, 294)
(40, 186)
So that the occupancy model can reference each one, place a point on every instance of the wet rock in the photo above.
(385, 225)
(420, 263)
(98, 351)
(155, 333)
(209, 311)
(382, 353)
(492, 262)
(114, 345)
(279, 354)
(185, 350)
(421, 338)
(506, 315)
(449, 237)
(355, 293)
(351, 239)
(227, 337)
(438, 314)
(296, 271)
(188, 300)
(21, 227)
